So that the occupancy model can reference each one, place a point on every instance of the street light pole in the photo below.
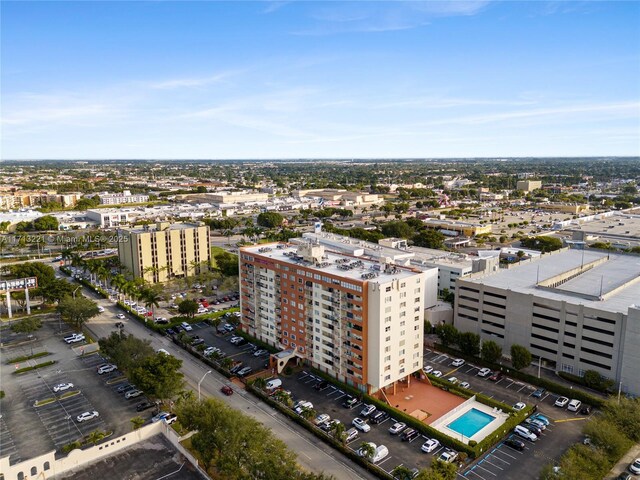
(200, 382)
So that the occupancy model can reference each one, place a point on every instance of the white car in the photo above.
(635, 466)
(121, 316)
(75, 338)
(465, 385)
(427, 369)
(87, 416)
(186, 326)
(574, 405)
(367, 410)
(162, 350)
(397, 427)
(361, 425)
(436, 373)
(361, 451)
(448, 456)
(100, 308)
(458, 362)
(108, 368)
(483, 372)
(61, 387)
(322, 418)
(519, 406)
(561, 402)
(453, 380)
(430, 445)
(133, 394)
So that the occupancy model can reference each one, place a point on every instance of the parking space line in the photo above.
(523, 386)
(488, 471)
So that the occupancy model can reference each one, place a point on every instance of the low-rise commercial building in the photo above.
(119, 198)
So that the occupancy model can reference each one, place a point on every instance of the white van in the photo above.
(381, 452)
(273, 384)
(574, 405)
(525, 433)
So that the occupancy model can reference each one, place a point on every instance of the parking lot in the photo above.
(502, 462)
(329, 400)
(36, 429)
(241, 353)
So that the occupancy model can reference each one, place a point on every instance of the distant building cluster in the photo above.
(25, 199)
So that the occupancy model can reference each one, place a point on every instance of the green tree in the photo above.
(607, 436)
(367, 449)
(520, 357)
(491, 351)
(137, 422)
(543, 244)
(95, 436)
(402, 472)
(188, 307)
(27, 325)
(397, 229)
(625, 414)
(227, 264)
(469, 343)
(45, 223)
(448, 296)
(593, 379)
(159, 376)
(447, 471)
(77, 310)
(429, 238)
(55, 291)
(338, 431)
(270, 219)
(447, 333)
(126, 351)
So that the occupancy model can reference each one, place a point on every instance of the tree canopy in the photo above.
(158, 376)
(270, 219)
(126, 351)
(77, 310)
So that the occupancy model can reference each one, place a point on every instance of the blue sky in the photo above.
(319, 79)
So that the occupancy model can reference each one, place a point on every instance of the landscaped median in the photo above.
(33, 367)
(24, 358)
(47, 401)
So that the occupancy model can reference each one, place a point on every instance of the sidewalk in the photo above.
(621, 466)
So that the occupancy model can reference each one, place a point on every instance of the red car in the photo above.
(227, 390)
(496, 376)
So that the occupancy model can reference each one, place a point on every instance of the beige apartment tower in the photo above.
(360, 321)
(163, 251)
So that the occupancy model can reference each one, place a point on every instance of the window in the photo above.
(388, 289)
(388, 339)
(387, 358)
(387, 329)
(387, 299)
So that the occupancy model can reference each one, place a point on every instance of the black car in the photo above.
(409, 434)
(122, 388)
(586, 410)
(144, 406)
(197, 341)
(379, 417)
(533, 429)
(237, 368)
(349, 402)
(170, 331)
(321, 385)
(514, 443)
(241, 342)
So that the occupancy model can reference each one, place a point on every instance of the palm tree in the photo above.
(95, 436)
(151, 298)
(366, 449)
(137, 422)
(402, 473)
(151, 269)
(259, 383)
(337, 430)
(308, 413)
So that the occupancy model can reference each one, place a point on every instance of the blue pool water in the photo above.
(471, 422)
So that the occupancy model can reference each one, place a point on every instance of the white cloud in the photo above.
(191, 82)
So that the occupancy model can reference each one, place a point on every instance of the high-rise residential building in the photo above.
(360, 321)
(163, 251)
(577, 310)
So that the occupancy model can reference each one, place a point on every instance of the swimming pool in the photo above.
(471, 422)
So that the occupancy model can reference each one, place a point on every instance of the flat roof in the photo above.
(173, 226)
(615, 272)
(332, 262)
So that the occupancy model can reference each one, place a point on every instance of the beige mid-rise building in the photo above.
(360, 321)
(163, 251)
(528, 185)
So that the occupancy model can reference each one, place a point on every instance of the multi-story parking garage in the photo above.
(577, 310)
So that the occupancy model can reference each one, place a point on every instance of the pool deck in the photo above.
(499, 419)
(423, 401)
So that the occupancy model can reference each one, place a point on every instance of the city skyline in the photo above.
(265, 80)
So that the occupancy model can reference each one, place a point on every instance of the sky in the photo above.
(303, 79)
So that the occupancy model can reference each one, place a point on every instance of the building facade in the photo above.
(119, 198)
(164, 251)
(576, 310)
(528, 185)
(357, 320)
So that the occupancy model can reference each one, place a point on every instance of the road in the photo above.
(313, 455)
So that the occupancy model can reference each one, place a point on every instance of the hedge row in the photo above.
(341, 447)
(466, 393)
(34, 367)
(24, 358)
(540, 382)
(580, 381)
